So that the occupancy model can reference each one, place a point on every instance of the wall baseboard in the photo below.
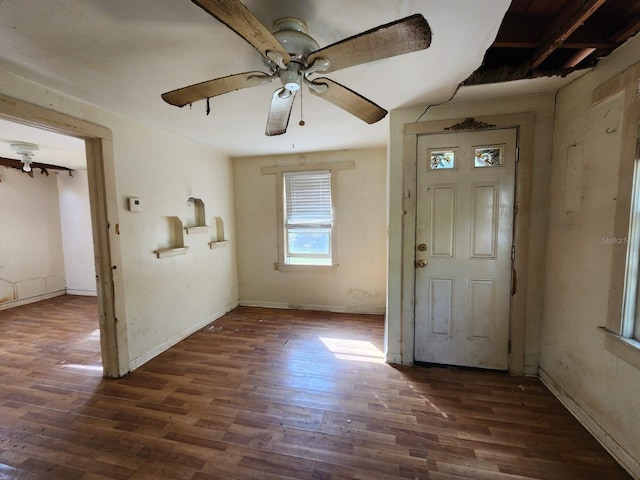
(393, 358)
(623, 457)
(35, 298)
(320, 308)
(83, 293)
(142, 359)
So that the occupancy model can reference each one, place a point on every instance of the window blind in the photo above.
(308, 198)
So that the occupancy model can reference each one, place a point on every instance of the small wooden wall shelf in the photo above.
(171, 251)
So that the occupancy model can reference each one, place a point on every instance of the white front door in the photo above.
(464, 226)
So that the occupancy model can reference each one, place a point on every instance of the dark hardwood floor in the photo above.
(269, 394)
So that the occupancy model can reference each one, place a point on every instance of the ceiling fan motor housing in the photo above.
(292, 34)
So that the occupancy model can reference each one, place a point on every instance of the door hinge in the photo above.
(509, 346)
(513, 252)
(517, 154)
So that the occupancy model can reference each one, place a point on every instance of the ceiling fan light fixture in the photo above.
(26, 151)
(291, 79)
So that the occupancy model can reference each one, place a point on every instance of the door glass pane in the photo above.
(488, 157)
(442, 159)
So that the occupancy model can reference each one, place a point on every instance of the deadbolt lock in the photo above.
(422, 247)
(421, 263)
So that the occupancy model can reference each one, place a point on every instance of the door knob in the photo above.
(421, 263)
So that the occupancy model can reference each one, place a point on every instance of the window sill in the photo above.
(627, 349)
(285, 267)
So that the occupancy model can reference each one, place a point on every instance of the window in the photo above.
(306, 204)
(631, 306)
(622, 338)
(307, 218)
(622, 329)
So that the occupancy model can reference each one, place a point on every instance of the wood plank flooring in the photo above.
(269, 394)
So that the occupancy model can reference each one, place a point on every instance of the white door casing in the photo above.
(464, 231)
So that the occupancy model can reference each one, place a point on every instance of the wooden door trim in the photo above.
(524, 125)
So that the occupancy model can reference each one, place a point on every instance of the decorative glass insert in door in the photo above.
(442, 159)
(488, 157)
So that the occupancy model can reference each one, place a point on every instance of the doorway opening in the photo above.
(103, 212)
(400, 343)
(464, 230)
(48, 243)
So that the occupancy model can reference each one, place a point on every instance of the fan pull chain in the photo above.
(301, 122)
(208, 106)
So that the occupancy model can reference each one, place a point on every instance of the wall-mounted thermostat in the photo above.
(135, 204)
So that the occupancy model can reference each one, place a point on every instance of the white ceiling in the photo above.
(122, 54)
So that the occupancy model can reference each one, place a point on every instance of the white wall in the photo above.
(171, 297)
(77, 237)
(399, 322)
(31, 262)
(157, 301)
(358, 284)
(603, 389)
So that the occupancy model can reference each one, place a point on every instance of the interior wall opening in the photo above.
(98, 158)
(48, 243)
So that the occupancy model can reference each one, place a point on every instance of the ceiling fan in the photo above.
(293, 56)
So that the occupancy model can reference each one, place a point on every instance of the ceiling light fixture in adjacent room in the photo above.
(26, 152)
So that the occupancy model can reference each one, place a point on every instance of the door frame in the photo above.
(524, 125)
(460, 348)
(104, 219)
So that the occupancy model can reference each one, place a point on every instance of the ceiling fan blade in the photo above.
(280, 111)
(347, 99)
(407, 35)
(218, 86)
(239, 19)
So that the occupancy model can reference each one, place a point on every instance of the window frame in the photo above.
(624, 285)
(278, 171)
(630, 325)
(624, 341)
(319, 226)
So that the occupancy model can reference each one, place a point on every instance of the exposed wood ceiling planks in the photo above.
(555, 37)
(568, 22)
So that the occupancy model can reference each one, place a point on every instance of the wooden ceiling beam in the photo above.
(577, 44)
(520, 31)
(572, 17)
(578, 57)
(625, 32)
(10, 162)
